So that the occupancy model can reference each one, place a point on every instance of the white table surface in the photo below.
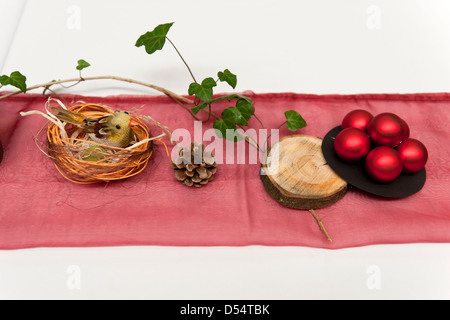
(323, 46)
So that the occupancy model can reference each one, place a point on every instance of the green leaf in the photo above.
(4, 80)
(294, 120)
(154, 40)
(226, 130)
(228, 77)
(246, 108)
(239, 114)
(202, 106)
(203, 91)
(82, 64)
(16, 79)
(233, 116)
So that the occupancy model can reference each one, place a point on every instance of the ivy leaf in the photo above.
(154, 40)
(82, 64)
(233, 116)
(16, 79)
(240, 114)
(246, 108)
(226, 130)
(203, 91)
(4, 80)
(294, 120)
(228, 77)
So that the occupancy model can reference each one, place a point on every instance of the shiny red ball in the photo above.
(406, 131)
(352, 145)
(358, 119)
(387, 129)
(414, 155)
(384, 164)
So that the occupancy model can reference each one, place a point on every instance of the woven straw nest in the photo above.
(83, 161)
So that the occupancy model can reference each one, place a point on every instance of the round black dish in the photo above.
(355, 174)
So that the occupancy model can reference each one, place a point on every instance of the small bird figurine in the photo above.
(115, 130)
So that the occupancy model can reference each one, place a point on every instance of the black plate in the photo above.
(355, 174)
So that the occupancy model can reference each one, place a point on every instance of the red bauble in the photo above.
(352, 144)
(406, 131)
(387, 129)
(384, 164)
(413, 154)
(358, 119)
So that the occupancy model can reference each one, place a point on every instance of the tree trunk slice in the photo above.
(297, 175)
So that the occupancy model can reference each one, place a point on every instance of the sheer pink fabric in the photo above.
(39, 208)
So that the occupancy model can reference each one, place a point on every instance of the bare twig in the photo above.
(322, 227)
(77, 80)
(177, 98)
(270, 135)
(249, 139)
(184, 61)
(260, 122)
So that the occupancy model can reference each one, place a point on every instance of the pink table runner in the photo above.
(39, 208)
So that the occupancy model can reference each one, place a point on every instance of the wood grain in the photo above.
(297, 176)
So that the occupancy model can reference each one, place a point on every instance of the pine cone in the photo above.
(194, 167)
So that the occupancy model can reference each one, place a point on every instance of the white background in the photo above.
(324, 46)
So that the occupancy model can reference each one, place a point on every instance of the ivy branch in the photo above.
(226, 125)
(231, 118)
(19, 81)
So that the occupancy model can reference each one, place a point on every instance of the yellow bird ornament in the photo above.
(114, 130)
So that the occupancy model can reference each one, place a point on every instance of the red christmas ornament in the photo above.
(358, 119)
(387, 129)
(352, 144)
(384, 164)
(413, 154)
(406, 131)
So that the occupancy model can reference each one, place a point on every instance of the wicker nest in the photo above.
(83, 161)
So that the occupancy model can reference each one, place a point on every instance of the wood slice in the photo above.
(297, 175)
